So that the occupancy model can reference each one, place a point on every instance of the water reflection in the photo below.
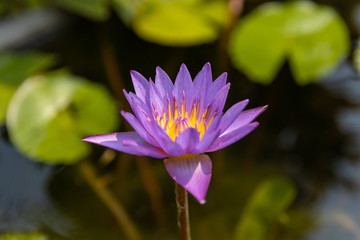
(337, 212)
(23, 198)
(24, 201)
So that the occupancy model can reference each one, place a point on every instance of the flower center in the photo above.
(175, 119)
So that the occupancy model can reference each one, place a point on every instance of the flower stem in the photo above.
(183, 212)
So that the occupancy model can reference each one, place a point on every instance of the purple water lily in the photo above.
(181, 121)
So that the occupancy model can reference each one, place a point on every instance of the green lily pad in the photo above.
(49, 114)
(126, 9)
(15, 68)
(92, 9)
(313, 37)
(23, 236)
(6, 92)
(357, 57)
(180, 22)
(266, 205)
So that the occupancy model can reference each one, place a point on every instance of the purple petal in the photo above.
(156, 101)
(244, 118)
(139, 128)
(218, 103)
(183, 87)
(188, 139)
(141, 85)
(165, 142)
(128, 142)
(231, 137)
(204, 77)
(215, 87)
(209, 136)
(201, 83)
(163, 82)
(141, 111)
(193, 172)
(231, 114)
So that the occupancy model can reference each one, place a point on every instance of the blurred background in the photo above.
(64, 63)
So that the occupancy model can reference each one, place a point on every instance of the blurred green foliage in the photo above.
(180, 23)
(15, 68)
(313, 37)
(172, 23)
(24, 236)
(267, 204)
(357, 57)
(13, 6)
(126, 9)
(93, 9)
(50, 113)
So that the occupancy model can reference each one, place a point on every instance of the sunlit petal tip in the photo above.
(207, 66)
(136, 74)
(208, 74)
(231, 137)
(122, 112)
(264, 108)
(141, 85)
(159, 72)
(183, 70)
(232, 113)
(222, 78)
(193, 172)
(244, 118)
(127, 142)
(163, 82)
(225, 74)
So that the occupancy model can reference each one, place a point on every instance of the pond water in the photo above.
(309, 135)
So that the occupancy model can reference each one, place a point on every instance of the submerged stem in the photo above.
(183, 212)
(116, 82)
(110, 201)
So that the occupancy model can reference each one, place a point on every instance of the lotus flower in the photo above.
(179, 122)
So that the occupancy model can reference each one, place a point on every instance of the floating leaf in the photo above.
(313, 37)
(8, 8)
(15, 68)
(6, 92)
(49, 114)
(357, 57)
(126, 9)
(23, 236)
(180, 22)
(266, 205)
(93, 9)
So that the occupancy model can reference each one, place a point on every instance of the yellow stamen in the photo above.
(175, 122)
